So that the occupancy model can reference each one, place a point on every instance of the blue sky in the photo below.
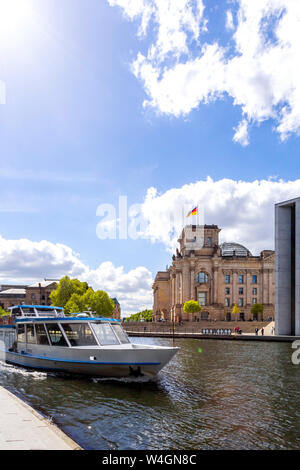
(74, 132)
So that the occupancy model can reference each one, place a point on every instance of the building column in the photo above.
(192, 284)
(234, 284)
(186, 288)
(215, 286)
(173, 301)
(249, 291)
(270, 287)
(177, 288)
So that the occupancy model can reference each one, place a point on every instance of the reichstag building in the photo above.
(217, 275)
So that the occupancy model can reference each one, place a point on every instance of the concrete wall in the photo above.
(287, 268)
(283, 270)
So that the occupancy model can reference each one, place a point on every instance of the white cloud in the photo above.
(229, 20)
(26, 261)
(241, 134)
(180, 70)
(243, 210)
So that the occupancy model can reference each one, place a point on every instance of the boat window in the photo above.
(28, 311)
(21, 334)
(105, 334)
(55, 334)
(79, 334)
(30, 334)
(121, 334)
(48, 312)
(16, 312)
(41, 335)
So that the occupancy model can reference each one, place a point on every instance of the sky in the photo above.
(117, 117)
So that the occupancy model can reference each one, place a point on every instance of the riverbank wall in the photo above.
(23, 428)
(195, 330)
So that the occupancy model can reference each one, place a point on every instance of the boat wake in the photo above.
(9, 368)
(127, 380)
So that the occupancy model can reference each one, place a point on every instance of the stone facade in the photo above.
(35, 294)
(117, 309)
(218, 276)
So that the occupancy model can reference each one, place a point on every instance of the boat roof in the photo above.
(74, 317)
(36, 306)
(65, 319)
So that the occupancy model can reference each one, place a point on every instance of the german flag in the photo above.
(193, 212)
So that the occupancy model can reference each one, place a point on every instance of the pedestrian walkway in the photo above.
(22, 428)
(268, 329)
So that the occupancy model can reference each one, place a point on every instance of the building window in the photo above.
(33, 296)
(202, 278)
(241, 302)
(227, 278)
(254, 279)
(254, 291)
(241, 291)
(241, 279)
(227, 290)
(204, 315)
(228, 316)
(242, 316)
(227, 302)
(202, 298)
(208, 241)
(254, 300)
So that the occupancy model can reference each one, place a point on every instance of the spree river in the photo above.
(213, 395)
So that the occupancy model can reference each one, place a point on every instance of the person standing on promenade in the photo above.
(256, 331)
(262, 331)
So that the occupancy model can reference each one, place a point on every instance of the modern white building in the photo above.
(287, 267)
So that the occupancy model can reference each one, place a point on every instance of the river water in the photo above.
(213, 395)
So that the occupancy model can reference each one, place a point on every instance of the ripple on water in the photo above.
(232, 395)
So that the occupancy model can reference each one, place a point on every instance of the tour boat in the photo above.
(43, 338)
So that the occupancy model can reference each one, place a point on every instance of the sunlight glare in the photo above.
(15, 18)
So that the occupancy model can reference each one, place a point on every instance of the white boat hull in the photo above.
(95, 362)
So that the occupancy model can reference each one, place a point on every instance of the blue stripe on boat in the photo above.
(85, 362)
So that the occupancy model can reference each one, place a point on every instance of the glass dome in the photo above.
(234, 249)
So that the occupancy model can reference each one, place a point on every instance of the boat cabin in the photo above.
(48, 326)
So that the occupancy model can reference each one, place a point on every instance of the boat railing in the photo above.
(6, 320)
(34, 311)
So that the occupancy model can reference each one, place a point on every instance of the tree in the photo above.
(3, 313)
(65, 289)
(236, 310)
(76, 297)
(145, 315)
(256, 309)
(192, 306)
(100, 303)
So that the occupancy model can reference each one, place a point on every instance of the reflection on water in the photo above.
(232, 395)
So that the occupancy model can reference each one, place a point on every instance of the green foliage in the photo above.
(191, 306)
(144, 315)
(3, 313)
(257, 308)
(65, 289)
(76, 297)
